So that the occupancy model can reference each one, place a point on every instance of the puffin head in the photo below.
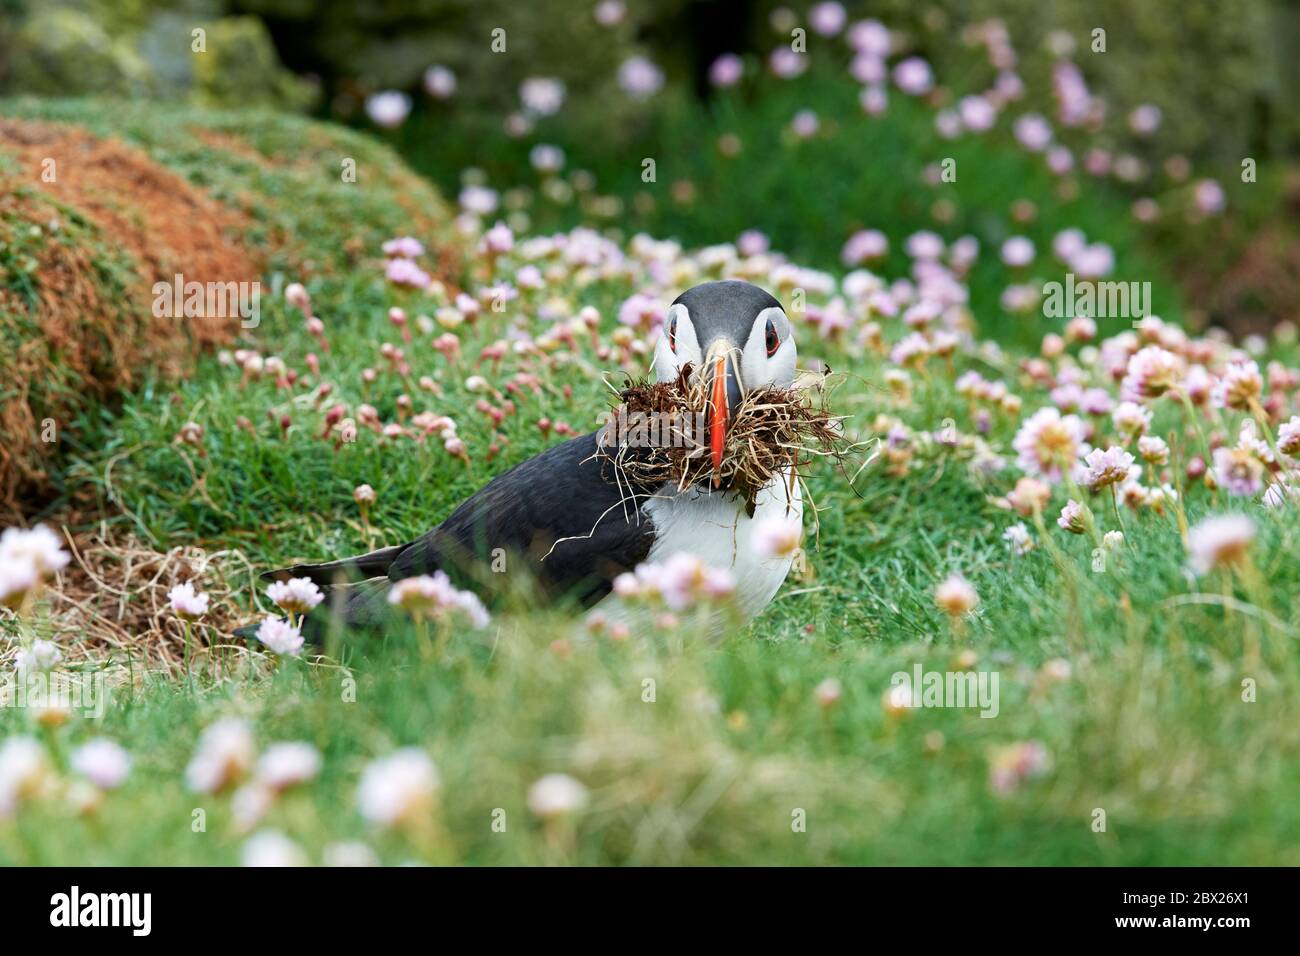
(736, 338)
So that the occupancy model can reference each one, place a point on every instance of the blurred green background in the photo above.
(1224, 74)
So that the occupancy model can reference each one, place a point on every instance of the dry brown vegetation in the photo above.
(87, 335)
(773, 429)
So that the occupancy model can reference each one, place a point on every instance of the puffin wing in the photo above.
(570, 520)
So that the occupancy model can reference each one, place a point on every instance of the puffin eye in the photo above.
(773, 340)
(672, 333)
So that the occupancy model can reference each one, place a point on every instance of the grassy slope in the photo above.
(283, 172)
(1150, 728)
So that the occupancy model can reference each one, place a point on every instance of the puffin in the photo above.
(572, 526)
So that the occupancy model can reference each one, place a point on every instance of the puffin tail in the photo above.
(360, 566)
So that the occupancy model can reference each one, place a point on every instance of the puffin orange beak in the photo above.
(718, 417)
(724, 395)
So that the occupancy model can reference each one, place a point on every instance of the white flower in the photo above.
(1113, 540)
(1017, 251)
(187, 602)
(24, 771)
(1284, 489)
(956, 596)
(389, 108)
(556, 795)
(1240, 385)
(399, 788)
(272, 848)
(627, 585)
(680, 581)
(25, 558)
(1239, 471)
(296, 596)
(479, 200)
(295, 293)
(913, 76)
(777, 536)
(609, 13)
(542, 95)
(1288, 437)
(40, 546)
(1153, 449)
(1018, 537)
(434, 595)
(16, 579)
(286, 764)
(439, 82)
(498, 240)
(349, 853)
(1107, 467)
(1151, 372)
(250, 804)
(1050, 444)
(1073, 517)
(102, 762)
(224, 754)
(1219, 541)
(280, 636)
(684, 578)
(41, 656)
(640, 78)
(1131, 418)
(827, 18)
(828, 693)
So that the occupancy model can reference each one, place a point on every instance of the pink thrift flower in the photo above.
(1107, 467)
(726, 70)
(1208, 197)
(1049, 445)
(186, 602)
(1073, 517)
(280, 637)
(542, 95)
(777, 536)
(913, 76)
(296, 596)
(1151, 372)
(1033, 132)
(406, 273)
(389, 108)
(1017, 251)
(640, 78)
(1288, 437)
(1238, 471)
(1240, 385)
(403, 247)
(864, 245)
(786, 63)
(827, 18)
(1219, 541)
(440, 82)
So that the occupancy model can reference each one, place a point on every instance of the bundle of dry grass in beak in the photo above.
(658, 433)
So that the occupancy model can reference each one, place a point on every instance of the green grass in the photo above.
(1150, 726)
(809, 196)
(285, 173)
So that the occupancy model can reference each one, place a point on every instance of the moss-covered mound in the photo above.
(102, 204)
